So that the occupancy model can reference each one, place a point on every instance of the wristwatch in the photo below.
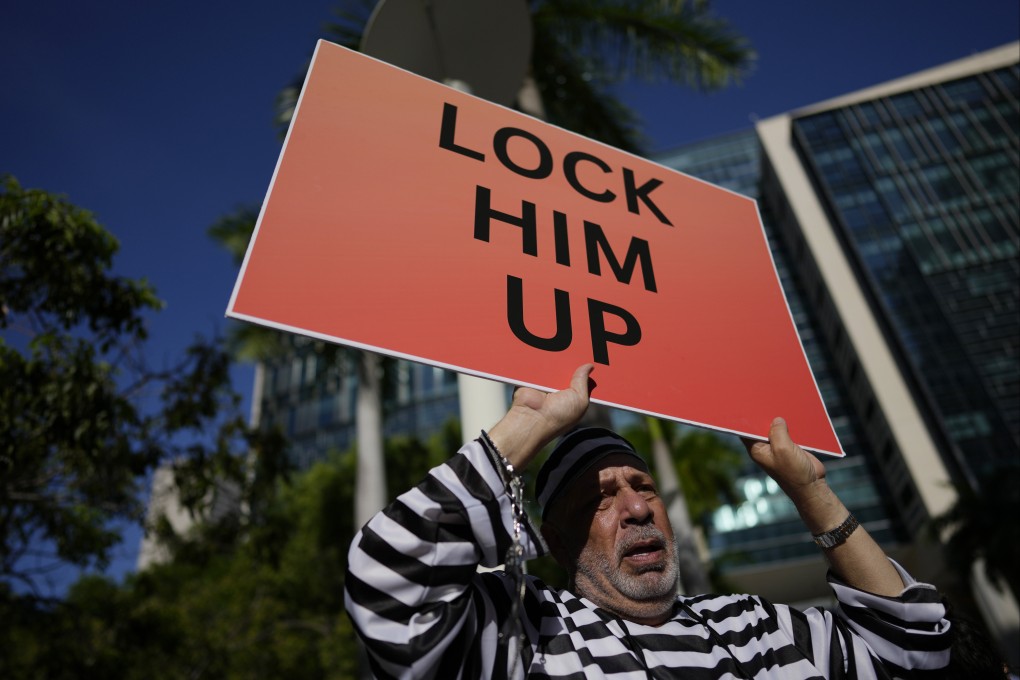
(837, 536)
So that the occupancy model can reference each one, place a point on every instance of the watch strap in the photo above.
(837, 536)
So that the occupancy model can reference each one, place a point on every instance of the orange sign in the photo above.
(417, 221)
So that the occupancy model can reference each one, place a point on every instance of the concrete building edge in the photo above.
(989, 60)
(891, 391)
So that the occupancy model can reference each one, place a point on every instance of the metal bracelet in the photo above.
(512, 629)
(837, 536)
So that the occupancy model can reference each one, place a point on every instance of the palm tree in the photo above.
(371, 469)
(581, 47)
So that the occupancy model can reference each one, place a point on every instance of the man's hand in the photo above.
(860, 562)
(536, 418)
(560, 410)
(800, 475)
(794, 469)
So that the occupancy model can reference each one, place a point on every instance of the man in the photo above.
(424, 610)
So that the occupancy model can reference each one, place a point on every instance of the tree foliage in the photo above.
(244, 596)
(581, 48)
(83, 419)
(73, 442)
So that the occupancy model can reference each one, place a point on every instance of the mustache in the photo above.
(645, 534)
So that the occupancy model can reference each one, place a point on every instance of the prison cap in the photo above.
(575, 453)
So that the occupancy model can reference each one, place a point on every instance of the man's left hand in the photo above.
(795, 470)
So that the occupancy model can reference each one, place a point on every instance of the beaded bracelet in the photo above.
(515, 490)
(511, 474)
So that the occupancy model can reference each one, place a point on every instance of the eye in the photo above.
(648, 490)
(595, 503)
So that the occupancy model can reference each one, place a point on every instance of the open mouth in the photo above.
(644, 551)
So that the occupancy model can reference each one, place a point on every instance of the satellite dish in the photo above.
(483, 43)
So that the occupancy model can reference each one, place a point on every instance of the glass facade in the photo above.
(923, 186)
(311, 395)
(764, 527)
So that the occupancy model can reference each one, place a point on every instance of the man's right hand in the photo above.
(536, 418)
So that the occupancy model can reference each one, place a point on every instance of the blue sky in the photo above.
(157, 115)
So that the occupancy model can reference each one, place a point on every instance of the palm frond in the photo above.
(350, 21)
(234, 231)
(576, 98)
(673, 40)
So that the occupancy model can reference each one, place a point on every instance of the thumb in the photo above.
(779, 432)
(581, 381)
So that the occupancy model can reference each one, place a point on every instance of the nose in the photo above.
(634, 508)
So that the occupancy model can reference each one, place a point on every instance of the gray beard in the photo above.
(645, 593)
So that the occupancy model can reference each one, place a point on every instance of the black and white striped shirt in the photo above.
(423, 610)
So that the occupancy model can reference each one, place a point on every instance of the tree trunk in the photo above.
(482, 404)
(370, 494)
(693, 576)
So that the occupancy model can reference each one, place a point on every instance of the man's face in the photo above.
(614, 528)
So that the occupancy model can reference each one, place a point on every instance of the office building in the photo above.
(894, 218)
(765, 528)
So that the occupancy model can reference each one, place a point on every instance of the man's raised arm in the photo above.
(856, 558)
(413, 590)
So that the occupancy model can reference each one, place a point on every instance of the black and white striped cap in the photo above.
(576, 452)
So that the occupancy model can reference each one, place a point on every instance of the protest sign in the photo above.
(411, 219)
